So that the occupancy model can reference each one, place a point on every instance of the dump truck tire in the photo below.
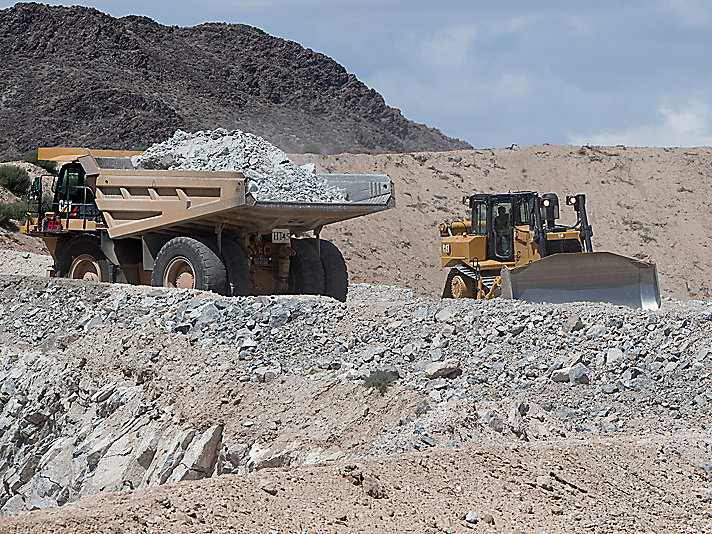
(238, 269)
(186, 262)
(82, 259)
(306, 271)
(336, 283)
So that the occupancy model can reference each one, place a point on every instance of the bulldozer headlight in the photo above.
(466, 201)
(547, 202)
(571, 200)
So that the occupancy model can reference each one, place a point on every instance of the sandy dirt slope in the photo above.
(642, 202)
(13, 242)
(648, 485)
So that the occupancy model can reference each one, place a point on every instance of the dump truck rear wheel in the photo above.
(82, 259)
(306, 271)
(185, 262)
(238, 269)
(336, 283)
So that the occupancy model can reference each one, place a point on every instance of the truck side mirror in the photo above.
(36, 189)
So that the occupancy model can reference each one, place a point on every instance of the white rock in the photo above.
(441, 369)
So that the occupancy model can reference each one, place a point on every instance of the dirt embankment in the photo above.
(605, 486)
(642, 202)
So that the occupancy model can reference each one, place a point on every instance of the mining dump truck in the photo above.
(108, 221)
(512, 246)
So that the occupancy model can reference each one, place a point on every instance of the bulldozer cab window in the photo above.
(502, 213)
(479, 218)
(524, 212)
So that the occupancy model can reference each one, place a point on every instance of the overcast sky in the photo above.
(495, 73)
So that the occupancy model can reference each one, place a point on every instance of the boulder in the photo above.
(445, 368)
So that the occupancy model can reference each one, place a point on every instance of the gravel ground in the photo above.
(114, 387)
(25, 263)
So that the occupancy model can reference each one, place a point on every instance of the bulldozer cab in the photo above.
(73, 198)
(495, 217)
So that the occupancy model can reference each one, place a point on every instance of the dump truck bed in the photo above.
(135, 202)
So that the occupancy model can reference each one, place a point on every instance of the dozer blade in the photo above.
(588, 277)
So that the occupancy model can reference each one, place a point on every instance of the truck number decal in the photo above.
(53, 226)
(280, 235)
(446, 249)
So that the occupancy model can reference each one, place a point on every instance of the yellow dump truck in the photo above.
(513, 246)
(108, 221)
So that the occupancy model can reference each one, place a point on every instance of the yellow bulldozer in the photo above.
(513, 246)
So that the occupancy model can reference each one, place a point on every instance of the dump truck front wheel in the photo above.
(184, 262)
(306, 272)
(82, 259)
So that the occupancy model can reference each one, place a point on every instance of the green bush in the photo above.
(31, 157)
(311, 148)
(15, 179)
(12, 211)
(379, 380)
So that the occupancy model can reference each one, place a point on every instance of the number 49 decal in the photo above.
(446, 249)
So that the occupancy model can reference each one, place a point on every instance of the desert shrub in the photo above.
(15, 179)
(31, 157)
(12, 211)
(379, 380)
(311, 148)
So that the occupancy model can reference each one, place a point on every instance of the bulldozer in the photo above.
(514, 247)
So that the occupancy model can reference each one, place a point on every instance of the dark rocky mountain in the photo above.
(76, 76)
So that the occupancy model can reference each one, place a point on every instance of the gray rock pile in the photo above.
(111, 387)
(272, 176)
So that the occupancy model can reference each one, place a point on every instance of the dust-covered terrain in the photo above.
(507, 411)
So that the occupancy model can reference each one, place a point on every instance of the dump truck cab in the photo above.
(510, 233)
(73, 198)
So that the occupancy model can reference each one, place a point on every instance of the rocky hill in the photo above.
(76, 76)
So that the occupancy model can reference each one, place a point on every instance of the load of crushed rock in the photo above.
(272, 177)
